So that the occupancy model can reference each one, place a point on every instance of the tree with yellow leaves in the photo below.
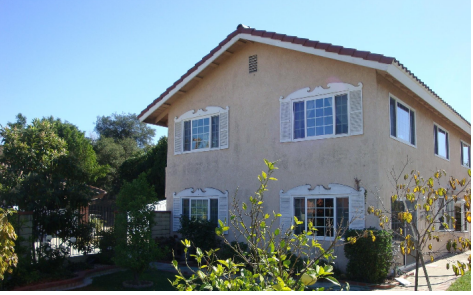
(8, 257)
(423, 217)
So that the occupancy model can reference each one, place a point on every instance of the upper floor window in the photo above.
(402, 119)
(321, 113)
(441, 146)
(201, 130)
(465, 154)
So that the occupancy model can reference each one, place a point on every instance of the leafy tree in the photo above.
(152, 162)
(431, 200)
(273, 256)
(8, 257)
(113, 153)
(121, 126)
(135, 247)
(44, 168)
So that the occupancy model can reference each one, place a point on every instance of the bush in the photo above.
(200, 232)
(371, 256)
(170, 245)
(106, 244)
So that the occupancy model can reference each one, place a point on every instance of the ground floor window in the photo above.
(205, 209)
(204, 204)
(397, 224)
(327, 214)
(461, 222)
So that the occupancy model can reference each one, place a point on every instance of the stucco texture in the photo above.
(254, 131)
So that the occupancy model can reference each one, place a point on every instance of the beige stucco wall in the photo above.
(254, 131)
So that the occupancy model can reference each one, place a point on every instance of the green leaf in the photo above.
(271, 247)
(276, 232)
(264, 175)
(287, 263)
(244, 206)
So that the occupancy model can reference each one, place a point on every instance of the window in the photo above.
(446, 213)
(317, 117)
(465, 154)
(325, 112)
(206, 204)
(205, 209)
(326, 214)
(339, 207)
(396, 224)
(441, 147)
(461, 222)
(201, 130)
(201, 133)
(402, 119)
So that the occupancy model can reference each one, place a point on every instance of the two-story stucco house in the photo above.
(333, 116)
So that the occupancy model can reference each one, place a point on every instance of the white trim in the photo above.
(448, 146)
(461, 152)
(356, 202)
(394, 70)
(402, 76)
(206, 192)
(191, 115)
(332, 90)
(396, 100)
(209, 111)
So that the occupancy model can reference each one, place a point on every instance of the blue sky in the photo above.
(77, 60)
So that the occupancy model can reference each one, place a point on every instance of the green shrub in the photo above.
(200, 232)
(369, 261)
(106, 243)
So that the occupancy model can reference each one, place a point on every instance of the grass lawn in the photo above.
(462, 283)
(113, 282)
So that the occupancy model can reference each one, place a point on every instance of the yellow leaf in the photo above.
(430, 246)
(431, 258)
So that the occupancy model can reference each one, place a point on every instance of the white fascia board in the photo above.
(191, 76)
(319, 52)
(406, 79)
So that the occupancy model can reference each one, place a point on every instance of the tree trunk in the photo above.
(137, 278)
(425, 272)
(416, 285)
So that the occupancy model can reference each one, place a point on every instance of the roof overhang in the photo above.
(375, 61)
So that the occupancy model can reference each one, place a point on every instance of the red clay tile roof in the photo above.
(241, 29)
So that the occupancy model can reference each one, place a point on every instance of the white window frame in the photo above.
(208, 194)
(197, 199)
(462, 143)
(334, 119)
(332, 90)
(461, 204)
(447, 146)
(192, 115)
(445, 208)
(210, 134)
(334, 217)
(356, 205)
(397, 100)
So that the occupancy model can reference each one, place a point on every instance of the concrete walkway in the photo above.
(440, 277)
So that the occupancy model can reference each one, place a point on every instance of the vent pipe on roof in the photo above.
(242, 26)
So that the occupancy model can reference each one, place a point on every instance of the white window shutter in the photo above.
(176, 213)
(356, 211)
(223, 129)
(223, 210)
(286, 124)
(356, 112)
(285, 208)
(177, 137)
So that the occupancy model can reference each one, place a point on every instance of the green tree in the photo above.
(45, 168)
(113, 153)
(135, 247)
(432, 200)
(275, 260)
(152, 162)
(121, 126)
(8, 257)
